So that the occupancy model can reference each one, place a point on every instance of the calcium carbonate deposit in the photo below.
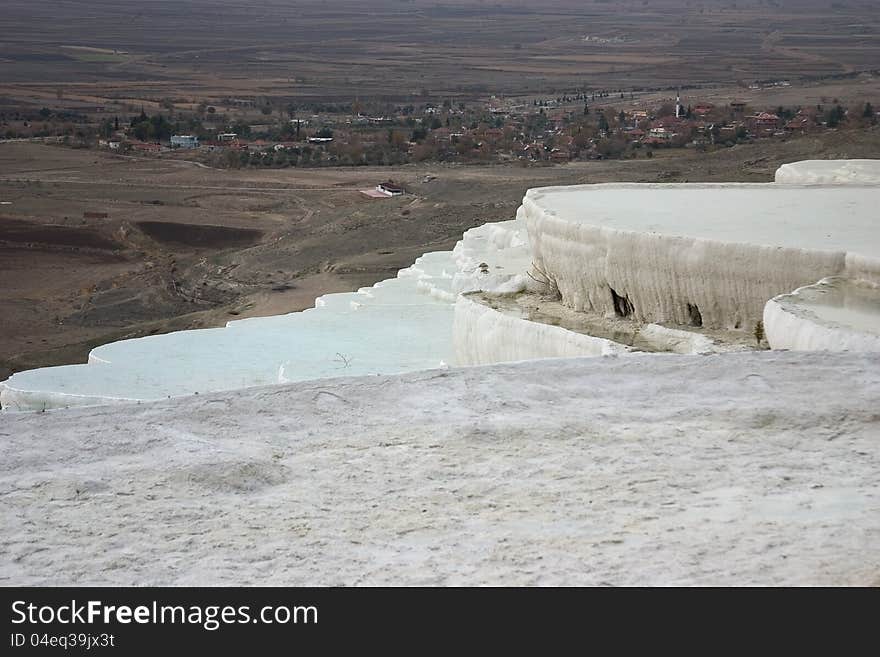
(830, 172)
(705, 256)
(831, 315)
(626, 468)
(483, 335)
(669, 253)
(398, 325)
(750, 468)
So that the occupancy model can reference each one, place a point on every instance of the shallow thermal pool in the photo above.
(818, 218)
(398, 325)
(840, 303)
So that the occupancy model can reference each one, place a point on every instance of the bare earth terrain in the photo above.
(104, 51)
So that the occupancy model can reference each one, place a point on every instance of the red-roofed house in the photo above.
(145, 147)
(764, 124)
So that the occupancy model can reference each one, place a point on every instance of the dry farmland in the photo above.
(120, 51)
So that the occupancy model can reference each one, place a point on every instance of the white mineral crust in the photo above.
(830, 172)
(660, 252)
(749, 468)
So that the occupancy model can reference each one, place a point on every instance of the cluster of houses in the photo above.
(496, 132)
(223, 140)
(702, 124)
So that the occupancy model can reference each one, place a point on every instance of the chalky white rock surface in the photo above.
(677, 341)
(754, 468)
(483, 335)
(725, 249)
(830, 172)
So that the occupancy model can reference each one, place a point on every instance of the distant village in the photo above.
(580, 126)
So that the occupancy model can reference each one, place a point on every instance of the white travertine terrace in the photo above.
(716, 252)
(711, 255)
(676, 341)
(483, 335)
(398, 325)
(830, 172)
(831, 315)
(754, 468)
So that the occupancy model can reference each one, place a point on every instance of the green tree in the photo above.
(151, 128)
(835, 116)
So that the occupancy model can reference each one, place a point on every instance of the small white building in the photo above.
(184, 141)
(389, 189)
(661, 132)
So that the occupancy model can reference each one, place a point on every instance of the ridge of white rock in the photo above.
(488, 329)
(750, 468)
(483, 335)
(671, 253)
(832, 315)
(677, 341)
(830, 172)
